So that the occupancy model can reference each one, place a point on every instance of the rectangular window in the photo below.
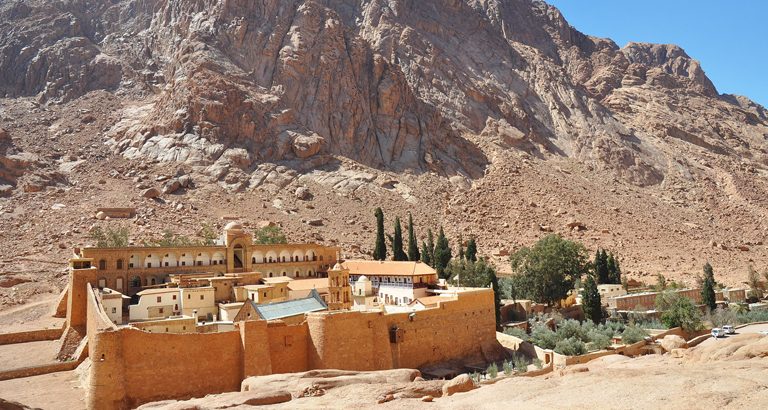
(166, 264)
(130, 265)
(161, 311)
(114, 310)
(159, 299)
(189, 296)
(202, 296)
(174, 297)
(149, 264)
(183, 263)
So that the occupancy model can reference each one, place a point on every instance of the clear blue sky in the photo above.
(729, 38)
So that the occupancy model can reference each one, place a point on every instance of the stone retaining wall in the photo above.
(30, 336)
(38, 370)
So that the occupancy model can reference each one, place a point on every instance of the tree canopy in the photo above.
(471, 253)
(442, 254)
(110, 237)
(548, 270)
(397, 242)
(269, 235)
(708, 297)
(413, 245)
(590, 300)
(678, 311)
(380, 249)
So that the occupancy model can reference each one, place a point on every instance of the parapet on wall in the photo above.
(131, 367)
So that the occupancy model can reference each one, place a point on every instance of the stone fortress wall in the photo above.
(130, 367)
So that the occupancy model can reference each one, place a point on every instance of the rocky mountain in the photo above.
(493, 117)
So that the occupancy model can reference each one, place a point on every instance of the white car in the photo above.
(717, 332)
(729, 329)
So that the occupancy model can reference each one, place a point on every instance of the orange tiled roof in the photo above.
(387, 268)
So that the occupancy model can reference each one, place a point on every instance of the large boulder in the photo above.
(150, 193)
(672, 342)
(171, 185)
(460, 384)
(307, 145)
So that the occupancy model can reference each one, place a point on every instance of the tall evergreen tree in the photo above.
(442, 254)
(471, 253)
(614, 272)
(431, 247)
(380, 250)
(425, 254)
(397, 242)
(601, 267)
(413, 246)
(590, 300)
(461, 248)
(708, 297)
(494, 282)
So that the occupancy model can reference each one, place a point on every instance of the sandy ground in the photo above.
(55, 391)
(34, 315)
(27, 354)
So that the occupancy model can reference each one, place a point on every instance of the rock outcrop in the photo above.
(396, 85)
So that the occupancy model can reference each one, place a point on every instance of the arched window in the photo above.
(102, 265)
(134, 282)
(119, 264)
(119, 283)
(102, 282)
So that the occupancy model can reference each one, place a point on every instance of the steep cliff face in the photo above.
(397, 85)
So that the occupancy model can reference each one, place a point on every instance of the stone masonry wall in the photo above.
(131, 367)
(288, 347)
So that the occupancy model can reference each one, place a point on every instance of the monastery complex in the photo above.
(231, 310)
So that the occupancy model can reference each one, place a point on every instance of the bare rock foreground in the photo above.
(728, 372)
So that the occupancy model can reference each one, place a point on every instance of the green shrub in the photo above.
(517, 332)
(570, 329)
(537, 362)
(598, 340)
(521, 364)
(492, 371)
(507, 367)
(633, 334)
(571, 347)
(543, 337)
(475, 376)
(653, 323)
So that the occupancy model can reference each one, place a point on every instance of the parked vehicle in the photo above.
(718, 332)
(729, 329)
(764, 332)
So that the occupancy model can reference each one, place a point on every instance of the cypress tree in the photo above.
(397, 243)
(494, 282)
(461, 248)
(614, 272)
(708, 297)
(442, 254)
(380, 250)
(413, 246)
(590, 300)
(425, 254)
(601, 267)
(431, 247)
(471, 253)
